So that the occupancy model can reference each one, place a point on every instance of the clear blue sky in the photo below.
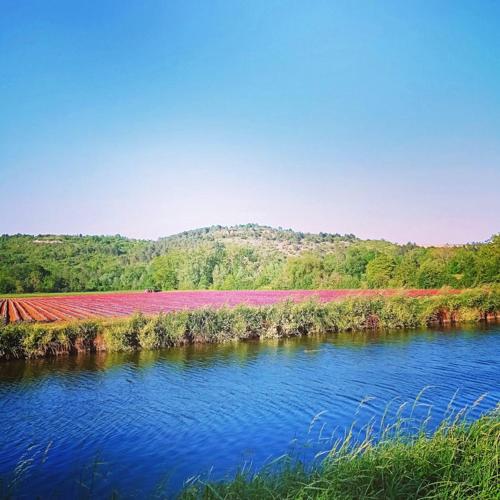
(146, 118)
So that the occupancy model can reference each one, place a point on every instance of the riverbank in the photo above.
(460, 460)
(211, 325)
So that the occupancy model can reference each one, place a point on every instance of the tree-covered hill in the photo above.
(265, 238)
(239, 257)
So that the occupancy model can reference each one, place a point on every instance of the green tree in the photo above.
(164, 271)
(302, 272)
(379, 271)
(432, 274)
(488, 262)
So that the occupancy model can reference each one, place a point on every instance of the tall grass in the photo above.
(459, 460)
(208, 325)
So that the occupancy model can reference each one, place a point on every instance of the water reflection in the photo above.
(206, 355)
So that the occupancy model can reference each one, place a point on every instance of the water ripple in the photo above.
(180, 412)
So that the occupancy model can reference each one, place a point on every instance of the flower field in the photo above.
(111, 305)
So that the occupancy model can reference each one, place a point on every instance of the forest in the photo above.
(240, 257)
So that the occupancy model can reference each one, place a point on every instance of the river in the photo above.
(138, 421)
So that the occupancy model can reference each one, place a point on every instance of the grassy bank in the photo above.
(458, 461)
(282, 320)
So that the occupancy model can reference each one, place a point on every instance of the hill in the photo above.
(239, 257)
(284, 241)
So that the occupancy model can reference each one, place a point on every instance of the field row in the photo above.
(112, 305)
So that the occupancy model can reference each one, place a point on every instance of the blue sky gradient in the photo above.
(376, 118)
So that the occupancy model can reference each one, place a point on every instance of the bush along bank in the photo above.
(209, 325)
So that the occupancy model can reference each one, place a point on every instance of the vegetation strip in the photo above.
(243, 322)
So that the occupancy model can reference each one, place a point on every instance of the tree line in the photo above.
(204, 260)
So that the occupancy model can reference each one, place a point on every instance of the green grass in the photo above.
(282, 320)
(458, 461)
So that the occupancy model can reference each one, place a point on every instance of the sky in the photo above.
(144, 119)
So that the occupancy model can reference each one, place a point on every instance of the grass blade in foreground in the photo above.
(460, 461)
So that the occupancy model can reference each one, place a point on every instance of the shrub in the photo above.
(120, 337)
(210, 325)
(399, 312)
(164, 330)
(249, 322)
(11, 341)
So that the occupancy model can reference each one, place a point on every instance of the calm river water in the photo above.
(162, 417)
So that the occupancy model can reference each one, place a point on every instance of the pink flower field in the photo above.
(111, 305)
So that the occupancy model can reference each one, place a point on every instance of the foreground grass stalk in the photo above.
(208, 325)
(459, 460)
